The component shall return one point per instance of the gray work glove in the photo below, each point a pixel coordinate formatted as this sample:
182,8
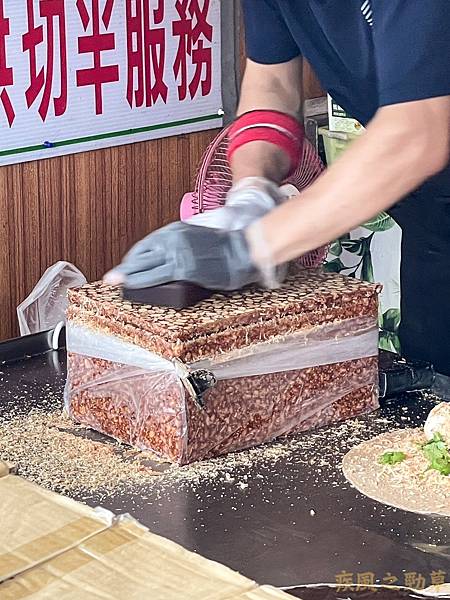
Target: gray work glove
211,258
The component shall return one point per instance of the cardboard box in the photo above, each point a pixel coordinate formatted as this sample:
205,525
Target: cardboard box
54,547
36,525
339,120
127,561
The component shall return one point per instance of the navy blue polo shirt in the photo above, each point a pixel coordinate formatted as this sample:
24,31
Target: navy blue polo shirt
366,53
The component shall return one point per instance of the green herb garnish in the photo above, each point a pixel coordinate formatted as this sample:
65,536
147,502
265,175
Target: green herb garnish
392,458
437,453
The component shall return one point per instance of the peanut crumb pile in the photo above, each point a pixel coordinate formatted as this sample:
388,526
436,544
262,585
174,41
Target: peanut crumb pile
50,450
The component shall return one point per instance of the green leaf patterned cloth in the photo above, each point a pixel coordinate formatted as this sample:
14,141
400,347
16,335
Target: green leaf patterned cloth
372,252
353,255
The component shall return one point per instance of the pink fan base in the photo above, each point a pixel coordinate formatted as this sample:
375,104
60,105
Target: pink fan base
188,207
214,180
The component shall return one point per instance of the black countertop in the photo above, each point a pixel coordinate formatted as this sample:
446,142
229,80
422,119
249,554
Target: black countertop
292,522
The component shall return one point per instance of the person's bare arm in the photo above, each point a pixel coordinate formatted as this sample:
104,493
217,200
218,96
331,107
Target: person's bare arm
404,145
275,87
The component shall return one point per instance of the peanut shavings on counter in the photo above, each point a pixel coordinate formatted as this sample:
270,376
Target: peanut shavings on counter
318,450
50,450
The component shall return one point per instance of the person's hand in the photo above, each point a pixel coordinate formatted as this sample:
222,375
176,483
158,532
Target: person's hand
249,200
211,258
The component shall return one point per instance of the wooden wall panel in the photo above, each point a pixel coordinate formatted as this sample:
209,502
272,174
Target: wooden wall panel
88,209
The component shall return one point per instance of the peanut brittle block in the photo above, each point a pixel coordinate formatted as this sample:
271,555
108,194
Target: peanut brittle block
285,360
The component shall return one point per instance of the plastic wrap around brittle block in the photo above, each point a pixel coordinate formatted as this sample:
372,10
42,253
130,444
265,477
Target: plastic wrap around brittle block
150,409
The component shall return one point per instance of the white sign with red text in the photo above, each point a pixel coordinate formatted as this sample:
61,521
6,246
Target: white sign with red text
82,74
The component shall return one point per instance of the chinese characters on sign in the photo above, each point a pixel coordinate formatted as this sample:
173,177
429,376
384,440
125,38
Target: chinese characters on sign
92,73
145,61
94,19
350,582
42,78
193,29
6,72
